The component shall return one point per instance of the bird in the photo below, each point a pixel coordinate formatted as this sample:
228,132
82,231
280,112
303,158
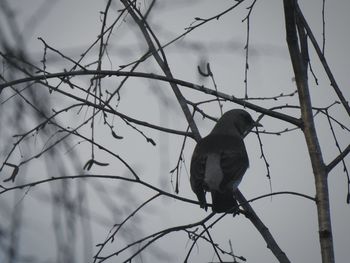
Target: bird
220,160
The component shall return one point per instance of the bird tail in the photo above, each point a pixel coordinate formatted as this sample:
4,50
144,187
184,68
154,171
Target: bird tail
223,202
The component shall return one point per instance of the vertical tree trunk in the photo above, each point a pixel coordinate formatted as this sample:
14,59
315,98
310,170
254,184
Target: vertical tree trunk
299,58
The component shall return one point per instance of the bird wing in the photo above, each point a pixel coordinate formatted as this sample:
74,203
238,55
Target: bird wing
234,163
233,157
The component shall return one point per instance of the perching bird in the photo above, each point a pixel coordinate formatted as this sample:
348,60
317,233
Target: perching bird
220,160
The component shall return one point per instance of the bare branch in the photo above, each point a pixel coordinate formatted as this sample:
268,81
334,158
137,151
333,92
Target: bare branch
264,231
323,60
105,73
338,159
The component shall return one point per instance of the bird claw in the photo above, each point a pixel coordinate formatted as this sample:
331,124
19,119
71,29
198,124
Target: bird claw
235,211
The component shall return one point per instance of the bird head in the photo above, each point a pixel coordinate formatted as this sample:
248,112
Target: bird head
235,122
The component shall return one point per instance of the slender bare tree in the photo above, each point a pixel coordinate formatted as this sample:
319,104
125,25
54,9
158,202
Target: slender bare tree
79,146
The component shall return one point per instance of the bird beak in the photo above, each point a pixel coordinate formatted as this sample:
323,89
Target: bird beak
257,124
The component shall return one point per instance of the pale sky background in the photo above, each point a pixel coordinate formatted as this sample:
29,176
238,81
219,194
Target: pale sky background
71,26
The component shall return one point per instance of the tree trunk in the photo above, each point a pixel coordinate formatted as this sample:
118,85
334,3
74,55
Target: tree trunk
299,58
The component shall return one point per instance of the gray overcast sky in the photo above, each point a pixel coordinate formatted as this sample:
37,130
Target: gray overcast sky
71,26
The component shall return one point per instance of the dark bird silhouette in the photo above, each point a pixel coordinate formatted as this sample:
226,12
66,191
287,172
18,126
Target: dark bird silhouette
220,160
